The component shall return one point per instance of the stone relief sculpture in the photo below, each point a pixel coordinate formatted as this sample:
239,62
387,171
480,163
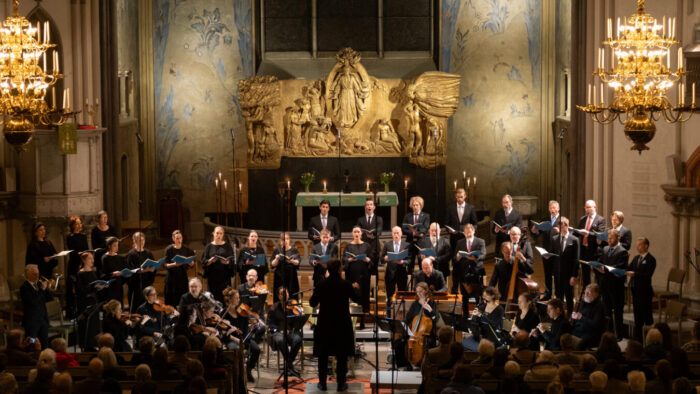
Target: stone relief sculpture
374,117
349,88
257,97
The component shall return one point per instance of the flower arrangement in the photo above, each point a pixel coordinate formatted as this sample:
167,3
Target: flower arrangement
307,179
385,178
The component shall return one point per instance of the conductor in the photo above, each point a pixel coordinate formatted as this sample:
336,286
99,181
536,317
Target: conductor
333,335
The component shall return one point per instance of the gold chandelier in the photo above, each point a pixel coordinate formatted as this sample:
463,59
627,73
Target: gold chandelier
640,75
23,83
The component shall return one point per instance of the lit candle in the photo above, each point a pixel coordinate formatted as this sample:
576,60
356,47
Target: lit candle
97,101
663,29
680,57
216,183
589,95
474,181
225,185
367,185
56,69
464,175
240,187
68,100
87,101
64,98
673,29
602,58
405,183
324,185
455,184
219,175
693,98
601,94
47,32
289,185
469,180
594,95
610,28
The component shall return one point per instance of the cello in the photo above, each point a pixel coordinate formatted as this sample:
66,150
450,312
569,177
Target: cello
519,285
421,326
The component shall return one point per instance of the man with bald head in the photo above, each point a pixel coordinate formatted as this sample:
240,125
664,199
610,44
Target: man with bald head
441,247
504,267
431,276
35,295
396,275
591,221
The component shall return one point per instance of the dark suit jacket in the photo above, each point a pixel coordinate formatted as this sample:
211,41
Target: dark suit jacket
436,280
376,224
442,250
334,332
567,262
469,216
643,271
320,269
625,238
423,218
502,272
34,306
551,338
547,235
473,270
617,258
331,224
393,266
515,219
592,321
589,252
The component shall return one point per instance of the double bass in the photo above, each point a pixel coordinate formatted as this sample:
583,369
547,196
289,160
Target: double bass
421,326
519,285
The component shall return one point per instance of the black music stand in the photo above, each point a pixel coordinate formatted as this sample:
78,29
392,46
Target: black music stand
393,326
293,323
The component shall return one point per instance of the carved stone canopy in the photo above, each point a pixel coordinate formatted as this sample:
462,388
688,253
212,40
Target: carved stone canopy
349,113
684,200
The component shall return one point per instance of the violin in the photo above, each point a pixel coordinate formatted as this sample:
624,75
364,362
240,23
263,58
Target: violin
295,307
259,288
245,311
162,307
132,317
219,323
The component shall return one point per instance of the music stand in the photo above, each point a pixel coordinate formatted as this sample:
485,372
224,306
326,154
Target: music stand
393,326
294,323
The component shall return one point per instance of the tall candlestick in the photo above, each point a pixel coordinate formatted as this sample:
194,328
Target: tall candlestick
693,98
618,27
405,183
594,95
53,97
455,184
680,58
609,28
216,197
64,98
588,102
225,202
663,29
602,93
47,32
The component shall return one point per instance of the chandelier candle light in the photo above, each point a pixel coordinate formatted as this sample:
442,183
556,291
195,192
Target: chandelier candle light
640,75
24,78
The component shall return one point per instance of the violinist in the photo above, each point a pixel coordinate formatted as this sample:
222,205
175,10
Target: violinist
119,324
188,327
154,319
526,318
217,259
286,264
422,308
276,321
252,293
145,277
40,250
76,241
242,325
176,278
251,248
87,298
358,271
504,268
490,311
112,265
99,235
323,248
194,296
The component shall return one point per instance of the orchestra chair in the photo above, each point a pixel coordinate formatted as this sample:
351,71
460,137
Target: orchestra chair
14,283
268,342
675,275
675,310
56,324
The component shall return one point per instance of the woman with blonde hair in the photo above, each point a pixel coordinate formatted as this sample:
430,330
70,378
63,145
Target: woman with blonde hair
111,367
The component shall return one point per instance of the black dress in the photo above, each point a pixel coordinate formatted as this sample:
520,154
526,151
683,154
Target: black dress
157,322
77,243
141,280
119,330
286,272
526,324
218,274
243,265
36,251
358,271
109,265
98,239
176,278
87,297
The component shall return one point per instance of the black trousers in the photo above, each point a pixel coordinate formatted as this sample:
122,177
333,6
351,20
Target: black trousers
643,314
341,368
397,280
457,275
564,290
548,272
289,348
614,300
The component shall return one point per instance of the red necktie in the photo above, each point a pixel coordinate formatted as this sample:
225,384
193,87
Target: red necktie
588,227
415,219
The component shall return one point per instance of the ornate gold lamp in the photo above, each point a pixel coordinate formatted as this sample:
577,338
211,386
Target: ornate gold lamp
640,75
23,82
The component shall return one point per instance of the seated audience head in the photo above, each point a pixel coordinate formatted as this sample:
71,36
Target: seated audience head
47,356
612,369
45,371
214,341
198,385
664,372
96,368
511,369
146,345
462,374
181,344
555,387
62,383
486,348
654,337
142,373
566,375
160,357
8,384
682,386
456,351
194,368
608,343
522,340
588,363
209,354
555,308
105,340
634,351
14,338
109,359
545,356
445,335
598,380
637,380
58,345
566,341
665,331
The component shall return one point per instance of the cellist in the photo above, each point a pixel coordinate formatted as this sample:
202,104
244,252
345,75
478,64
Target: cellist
504,268
421,309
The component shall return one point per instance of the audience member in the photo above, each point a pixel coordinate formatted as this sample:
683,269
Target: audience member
694,344
107,340
197,386
62,384
634,354
664,376
193,369
567,356
566,377
63,358
555,387
8,383
616,384
512,382
654,349
679,363
683,386
637,380
598,381
520,352
434,359
43,379
21,350
456,356
462,381
486,350
146,346
179,359
500,356
666,337
144,382
544,368
161,368
111,385
110,365
93,383
48,357
212,370
608,349
588,365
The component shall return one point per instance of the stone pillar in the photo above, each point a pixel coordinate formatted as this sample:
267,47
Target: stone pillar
686,210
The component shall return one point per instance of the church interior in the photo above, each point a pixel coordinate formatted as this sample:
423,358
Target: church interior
249,115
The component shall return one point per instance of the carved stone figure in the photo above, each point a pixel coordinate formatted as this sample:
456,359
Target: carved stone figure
257,97
387,140
296,118
415,134
321,138
314,94
267,147
349,88
434,137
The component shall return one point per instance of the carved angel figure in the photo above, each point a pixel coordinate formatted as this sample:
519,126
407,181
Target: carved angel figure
348,94
388,139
